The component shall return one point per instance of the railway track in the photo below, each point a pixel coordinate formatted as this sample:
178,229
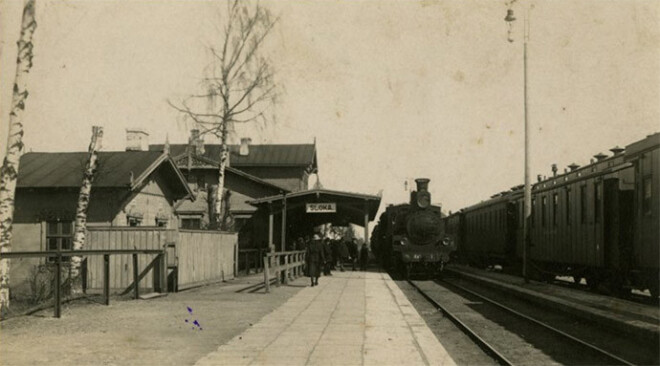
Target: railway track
489,323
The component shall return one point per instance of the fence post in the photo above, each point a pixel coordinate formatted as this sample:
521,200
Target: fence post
106,279
58,285
266,272
278,270
135,276
163,272
285,273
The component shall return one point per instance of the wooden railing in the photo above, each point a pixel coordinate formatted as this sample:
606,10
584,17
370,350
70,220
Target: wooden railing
159,264
250,259
283,266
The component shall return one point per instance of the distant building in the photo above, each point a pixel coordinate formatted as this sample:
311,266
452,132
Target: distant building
254,171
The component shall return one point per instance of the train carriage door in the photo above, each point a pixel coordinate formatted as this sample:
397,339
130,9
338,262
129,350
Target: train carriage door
617,224
511,225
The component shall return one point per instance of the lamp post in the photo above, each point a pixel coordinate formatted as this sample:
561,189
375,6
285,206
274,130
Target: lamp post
527,195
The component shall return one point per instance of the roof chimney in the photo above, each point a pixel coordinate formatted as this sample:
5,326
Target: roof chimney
554,170
573,166
245,146
196,141
617,150
137,139
600,156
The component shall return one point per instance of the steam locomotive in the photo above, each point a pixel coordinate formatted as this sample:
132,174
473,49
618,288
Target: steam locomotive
410,237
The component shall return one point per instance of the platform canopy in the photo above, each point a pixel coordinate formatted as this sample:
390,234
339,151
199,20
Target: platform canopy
306,209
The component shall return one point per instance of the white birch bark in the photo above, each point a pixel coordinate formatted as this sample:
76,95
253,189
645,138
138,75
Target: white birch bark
224,152
83,204
9,170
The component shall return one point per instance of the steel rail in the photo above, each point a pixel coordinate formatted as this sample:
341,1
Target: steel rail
540,323
485,346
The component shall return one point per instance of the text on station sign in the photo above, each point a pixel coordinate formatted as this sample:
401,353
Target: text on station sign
321,207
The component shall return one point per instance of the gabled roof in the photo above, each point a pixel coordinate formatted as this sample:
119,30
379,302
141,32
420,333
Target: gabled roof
115,169
271,155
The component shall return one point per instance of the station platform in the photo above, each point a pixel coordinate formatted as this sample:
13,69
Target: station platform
350,318
636,319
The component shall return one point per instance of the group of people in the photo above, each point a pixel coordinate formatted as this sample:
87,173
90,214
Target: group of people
328,255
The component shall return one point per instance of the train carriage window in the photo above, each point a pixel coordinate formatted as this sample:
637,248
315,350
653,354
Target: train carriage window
567,202
583,204
647,194
555,208
543,209
597,201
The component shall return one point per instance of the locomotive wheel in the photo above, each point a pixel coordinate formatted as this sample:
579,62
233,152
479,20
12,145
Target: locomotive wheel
653,288
406,271
593,283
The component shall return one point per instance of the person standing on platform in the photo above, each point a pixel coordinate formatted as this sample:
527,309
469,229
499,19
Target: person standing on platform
314,257
343,254
334,247
327,252
364,257
353,253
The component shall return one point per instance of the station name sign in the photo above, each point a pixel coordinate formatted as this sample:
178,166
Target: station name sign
321,207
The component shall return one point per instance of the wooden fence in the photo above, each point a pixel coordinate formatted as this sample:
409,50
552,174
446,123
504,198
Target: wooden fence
195,257
116,238
205,257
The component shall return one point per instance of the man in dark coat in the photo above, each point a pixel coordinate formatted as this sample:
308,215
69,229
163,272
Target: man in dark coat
353,252
327,252
364,257
314,258
343,254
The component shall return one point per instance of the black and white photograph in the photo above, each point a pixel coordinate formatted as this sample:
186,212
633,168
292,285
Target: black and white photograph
330,182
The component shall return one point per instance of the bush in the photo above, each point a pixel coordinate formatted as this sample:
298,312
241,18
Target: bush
42,282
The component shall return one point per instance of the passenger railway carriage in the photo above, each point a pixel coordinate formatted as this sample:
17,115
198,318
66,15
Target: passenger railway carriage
599,222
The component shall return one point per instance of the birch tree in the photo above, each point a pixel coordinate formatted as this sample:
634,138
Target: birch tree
83,204
9,170
241,86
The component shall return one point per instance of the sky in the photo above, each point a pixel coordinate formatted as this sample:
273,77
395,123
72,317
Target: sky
389,90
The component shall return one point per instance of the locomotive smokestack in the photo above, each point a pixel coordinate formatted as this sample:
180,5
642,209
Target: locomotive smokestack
422,184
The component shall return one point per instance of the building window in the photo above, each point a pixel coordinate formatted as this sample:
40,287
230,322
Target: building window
597,201
133,221
568,206
161,222
59,235
191,223
555,208
647,194
583,204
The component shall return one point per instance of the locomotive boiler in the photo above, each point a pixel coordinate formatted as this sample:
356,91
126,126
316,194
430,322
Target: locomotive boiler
410,237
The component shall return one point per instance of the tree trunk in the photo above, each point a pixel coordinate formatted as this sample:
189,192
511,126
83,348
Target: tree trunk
9,170
224,154
83,204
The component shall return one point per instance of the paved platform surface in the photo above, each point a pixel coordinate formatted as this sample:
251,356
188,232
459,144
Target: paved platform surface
350,318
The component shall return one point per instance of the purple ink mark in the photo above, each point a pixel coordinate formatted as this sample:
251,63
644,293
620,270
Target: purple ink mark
195,322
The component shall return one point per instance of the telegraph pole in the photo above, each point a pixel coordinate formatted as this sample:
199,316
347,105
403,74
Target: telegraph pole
527,193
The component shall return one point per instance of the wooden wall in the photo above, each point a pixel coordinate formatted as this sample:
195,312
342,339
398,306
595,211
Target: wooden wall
205,257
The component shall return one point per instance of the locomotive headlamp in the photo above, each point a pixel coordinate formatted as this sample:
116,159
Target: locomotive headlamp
446,241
